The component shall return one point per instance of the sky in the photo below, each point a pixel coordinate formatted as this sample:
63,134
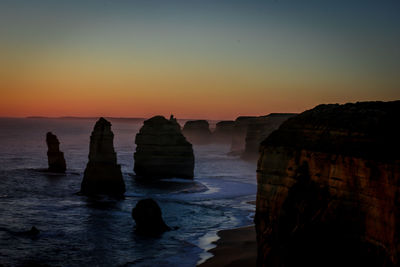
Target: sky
194,58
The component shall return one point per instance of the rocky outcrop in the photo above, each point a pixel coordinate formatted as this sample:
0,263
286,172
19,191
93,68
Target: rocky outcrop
102,174
55,157
223,132
239,134
259,129
329,188
162,151
197,132
148,217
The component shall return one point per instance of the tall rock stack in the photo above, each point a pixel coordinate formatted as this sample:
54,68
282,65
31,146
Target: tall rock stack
162,151
197,132
239,134
102,174
329,188
55,157
259,129
223,132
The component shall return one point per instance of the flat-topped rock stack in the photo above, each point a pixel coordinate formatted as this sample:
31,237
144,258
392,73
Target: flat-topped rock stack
329,186
55,157
223,132
162,151
259,129
102,174
197,132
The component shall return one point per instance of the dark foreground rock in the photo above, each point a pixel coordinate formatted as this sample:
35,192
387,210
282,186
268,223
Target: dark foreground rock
329,187
223,132
259,129
162,151
102,174
55,157
148,217
197,132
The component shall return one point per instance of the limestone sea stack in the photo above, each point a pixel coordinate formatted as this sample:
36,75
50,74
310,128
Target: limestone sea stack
102,174
223,132
162,151
329,188
148,217
259,129
55,157
197,132
239,134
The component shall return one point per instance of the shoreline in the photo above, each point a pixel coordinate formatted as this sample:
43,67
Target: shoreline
235,247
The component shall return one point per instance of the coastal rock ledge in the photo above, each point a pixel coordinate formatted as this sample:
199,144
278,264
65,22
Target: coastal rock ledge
329,188
102,174
55,157
162,151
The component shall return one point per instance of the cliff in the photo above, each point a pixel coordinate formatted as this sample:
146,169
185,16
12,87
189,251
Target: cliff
223,132
197,132
55,157
259,129
102,174
329,187
162,151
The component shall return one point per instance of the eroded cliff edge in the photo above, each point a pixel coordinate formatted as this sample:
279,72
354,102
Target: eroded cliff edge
329,188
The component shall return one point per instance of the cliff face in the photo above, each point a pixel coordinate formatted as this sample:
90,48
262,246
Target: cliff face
102,174
197,132
329,188
55,157
223,132
259,129
162,151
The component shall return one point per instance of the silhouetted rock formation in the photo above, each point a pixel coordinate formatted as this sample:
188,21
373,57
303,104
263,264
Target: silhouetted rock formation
259,129
162,151
55,157
197,132
329,187
148,217
102,174
239,134
223,132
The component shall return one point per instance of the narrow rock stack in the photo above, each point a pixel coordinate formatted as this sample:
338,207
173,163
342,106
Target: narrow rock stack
329,186
259,129
223,132
197,132
239,134
162,151
102,174
55,157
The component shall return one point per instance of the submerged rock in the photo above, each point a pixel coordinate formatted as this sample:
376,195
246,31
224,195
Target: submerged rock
197,132
259,129
223,132
162,151
329,187
55,157
102,174
148,217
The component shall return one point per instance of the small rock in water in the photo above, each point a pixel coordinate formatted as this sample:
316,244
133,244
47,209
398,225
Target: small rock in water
148,217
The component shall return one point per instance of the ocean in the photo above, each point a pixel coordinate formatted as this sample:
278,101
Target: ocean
80,231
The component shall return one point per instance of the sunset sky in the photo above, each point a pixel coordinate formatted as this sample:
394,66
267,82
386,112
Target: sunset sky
195,59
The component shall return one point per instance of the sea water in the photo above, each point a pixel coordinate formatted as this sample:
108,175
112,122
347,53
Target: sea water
80,231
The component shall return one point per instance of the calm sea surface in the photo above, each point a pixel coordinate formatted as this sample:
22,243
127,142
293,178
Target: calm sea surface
79,231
